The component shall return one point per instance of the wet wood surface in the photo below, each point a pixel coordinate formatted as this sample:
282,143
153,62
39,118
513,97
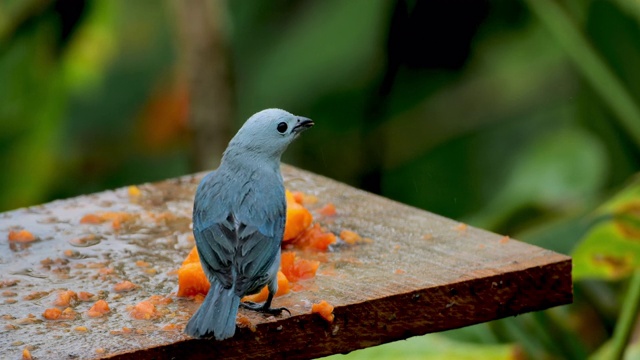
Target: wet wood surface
419,273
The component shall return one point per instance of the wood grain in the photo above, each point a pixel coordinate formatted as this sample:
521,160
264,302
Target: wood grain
420,273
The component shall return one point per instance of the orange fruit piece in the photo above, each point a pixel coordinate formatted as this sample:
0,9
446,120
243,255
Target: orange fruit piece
116,217
323,309
315,238
298,218
98,309
92,219
144,310
68,314
327,210
350,237
124,286
65,297
52,314
22,236
297,196
283,288
192,279
297,269
192,257
85,296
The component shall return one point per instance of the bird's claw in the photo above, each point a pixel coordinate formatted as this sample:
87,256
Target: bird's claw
278,311
263,308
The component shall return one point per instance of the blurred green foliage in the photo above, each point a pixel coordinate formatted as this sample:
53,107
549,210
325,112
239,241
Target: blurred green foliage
517,116
611,247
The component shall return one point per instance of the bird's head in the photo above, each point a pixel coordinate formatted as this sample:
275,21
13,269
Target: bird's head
268,133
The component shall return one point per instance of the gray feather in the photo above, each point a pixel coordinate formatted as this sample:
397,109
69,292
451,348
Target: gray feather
221,306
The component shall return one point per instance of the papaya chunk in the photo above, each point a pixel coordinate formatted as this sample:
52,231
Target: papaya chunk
323,309
298,218
283,288
315,238
297,269
21,236
192,280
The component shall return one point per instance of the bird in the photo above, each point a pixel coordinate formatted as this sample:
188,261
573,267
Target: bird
239,215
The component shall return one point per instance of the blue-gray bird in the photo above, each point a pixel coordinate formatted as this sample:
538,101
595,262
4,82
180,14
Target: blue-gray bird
239,214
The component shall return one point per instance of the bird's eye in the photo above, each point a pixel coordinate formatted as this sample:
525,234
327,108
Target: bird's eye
282,127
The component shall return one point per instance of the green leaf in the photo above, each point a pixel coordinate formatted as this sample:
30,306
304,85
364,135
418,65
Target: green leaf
611,248
606,252
625,200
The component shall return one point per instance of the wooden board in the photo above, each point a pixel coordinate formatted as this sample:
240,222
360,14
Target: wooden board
420,273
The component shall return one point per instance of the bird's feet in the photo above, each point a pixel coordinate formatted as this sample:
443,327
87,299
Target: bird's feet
264,308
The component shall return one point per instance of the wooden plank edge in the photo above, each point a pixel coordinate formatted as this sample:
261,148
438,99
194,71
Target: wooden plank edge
397,317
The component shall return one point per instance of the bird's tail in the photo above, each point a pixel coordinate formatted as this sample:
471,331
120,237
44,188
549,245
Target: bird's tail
217,314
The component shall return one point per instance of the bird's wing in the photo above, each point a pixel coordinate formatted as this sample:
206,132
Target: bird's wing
258,249
261,218
239,246
214,230
216,247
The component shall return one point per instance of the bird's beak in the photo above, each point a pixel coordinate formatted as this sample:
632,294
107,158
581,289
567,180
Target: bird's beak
302,124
